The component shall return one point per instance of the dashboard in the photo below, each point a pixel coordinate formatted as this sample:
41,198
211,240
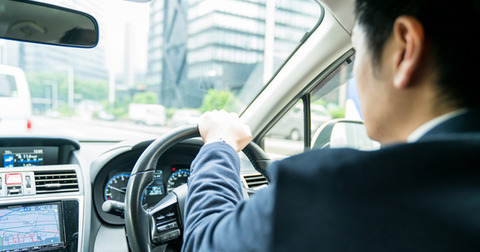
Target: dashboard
40,196
57,189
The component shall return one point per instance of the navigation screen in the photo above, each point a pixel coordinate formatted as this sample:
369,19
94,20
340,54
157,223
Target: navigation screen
30,227
33,158
28,156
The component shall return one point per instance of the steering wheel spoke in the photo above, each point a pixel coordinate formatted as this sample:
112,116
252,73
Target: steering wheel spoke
166,218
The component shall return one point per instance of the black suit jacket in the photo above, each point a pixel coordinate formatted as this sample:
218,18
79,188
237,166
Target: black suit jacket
422,196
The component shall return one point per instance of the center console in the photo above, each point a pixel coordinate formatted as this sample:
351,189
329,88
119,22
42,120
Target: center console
41,197
39,227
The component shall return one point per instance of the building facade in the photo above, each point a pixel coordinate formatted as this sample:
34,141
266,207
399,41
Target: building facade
197,45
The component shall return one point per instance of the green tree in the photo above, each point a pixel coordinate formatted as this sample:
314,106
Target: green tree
145,98
96,90
40,84
120,107
337,112
215,99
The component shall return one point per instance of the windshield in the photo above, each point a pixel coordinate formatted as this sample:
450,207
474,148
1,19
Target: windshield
158,65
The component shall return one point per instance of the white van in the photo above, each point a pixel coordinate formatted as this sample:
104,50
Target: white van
15,101
149,114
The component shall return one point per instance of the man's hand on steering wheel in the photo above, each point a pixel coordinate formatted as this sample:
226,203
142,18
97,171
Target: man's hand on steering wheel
223,126
151,229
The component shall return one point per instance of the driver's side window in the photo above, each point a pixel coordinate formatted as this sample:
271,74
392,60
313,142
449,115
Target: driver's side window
287,136
333,115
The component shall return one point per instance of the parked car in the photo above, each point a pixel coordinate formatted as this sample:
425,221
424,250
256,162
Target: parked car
149,114
185,117
291,125
104,115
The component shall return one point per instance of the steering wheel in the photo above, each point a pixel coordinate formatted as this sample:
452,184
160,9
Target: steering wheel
152,229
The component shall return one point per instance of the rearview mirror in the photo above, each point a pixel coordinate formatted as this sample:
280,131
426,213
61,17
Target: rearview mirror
47,24
343,133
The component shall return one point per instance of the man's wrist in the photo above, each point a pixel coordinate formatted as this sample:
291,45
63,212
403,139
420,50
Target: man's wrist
216,140
219,140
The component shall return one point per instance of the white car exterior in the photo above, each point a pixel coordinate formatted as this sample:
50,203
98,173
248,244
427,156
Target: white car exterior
15,101
149,114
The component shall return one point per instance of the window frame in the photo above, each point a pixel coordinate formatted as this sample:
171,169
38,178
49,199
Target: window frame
305,96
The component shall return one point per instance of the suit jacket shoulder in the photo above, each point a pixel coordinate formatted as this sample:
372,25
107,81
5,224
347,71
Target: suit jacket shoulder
406,197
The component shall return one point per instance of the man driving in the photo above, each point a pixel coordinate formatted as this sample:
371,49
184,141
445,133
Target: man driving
416,71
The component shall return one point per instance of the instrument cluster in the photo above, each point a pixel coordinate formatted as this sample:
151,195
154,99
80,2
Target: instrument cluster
110,183
164,182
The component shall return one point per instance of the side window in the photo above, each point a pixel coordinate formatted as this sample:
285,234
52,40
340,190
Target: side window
337,95
8,88
333,114
286,138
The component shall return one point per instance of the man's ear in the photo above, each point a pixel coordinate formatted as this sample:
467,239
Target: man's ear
409,39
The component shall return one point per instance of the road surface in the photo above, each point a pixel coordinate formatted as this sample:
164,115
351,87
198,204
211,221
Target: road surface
95,130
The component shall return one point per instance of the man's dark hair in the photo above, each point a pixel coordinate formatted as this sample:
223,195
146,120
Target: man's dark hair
450,27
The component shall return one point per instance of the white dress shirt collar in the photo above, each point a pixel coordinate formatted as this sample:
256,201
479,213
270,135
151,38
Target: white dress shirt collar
422,130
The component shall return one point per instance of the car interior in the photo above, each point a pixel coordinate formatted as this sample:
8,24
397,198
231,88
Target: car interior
128,195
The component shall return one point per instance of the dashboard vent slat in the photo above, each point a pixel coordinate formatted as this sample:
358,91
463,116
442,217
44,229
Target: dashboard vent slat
56,181
255,180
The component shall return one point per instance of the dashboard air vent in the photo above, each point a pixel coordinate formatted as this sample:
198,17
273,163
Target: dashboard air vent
56,181
255,180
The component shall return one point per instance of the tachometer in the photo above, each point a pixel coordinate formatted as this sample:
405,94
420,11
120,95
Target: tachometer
177,179
116,187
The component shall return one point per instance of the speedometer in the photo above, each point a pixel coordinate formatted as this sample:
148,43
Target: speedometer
177,179
116,187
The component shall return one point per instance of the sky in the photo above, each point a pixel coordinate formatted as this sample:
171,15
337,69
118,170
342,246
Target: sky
118,14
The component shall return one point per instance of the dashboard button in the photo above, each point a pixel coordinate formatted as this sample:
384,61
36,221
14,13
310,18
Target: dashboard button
28,181
13,178
167,226
170,235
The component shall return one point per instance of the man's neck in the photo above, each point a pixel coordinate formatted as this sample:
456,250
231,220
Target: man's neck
426,127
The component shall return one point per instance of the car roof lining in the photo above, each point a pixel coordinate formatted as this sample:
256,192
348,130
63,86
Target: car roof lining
343,11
